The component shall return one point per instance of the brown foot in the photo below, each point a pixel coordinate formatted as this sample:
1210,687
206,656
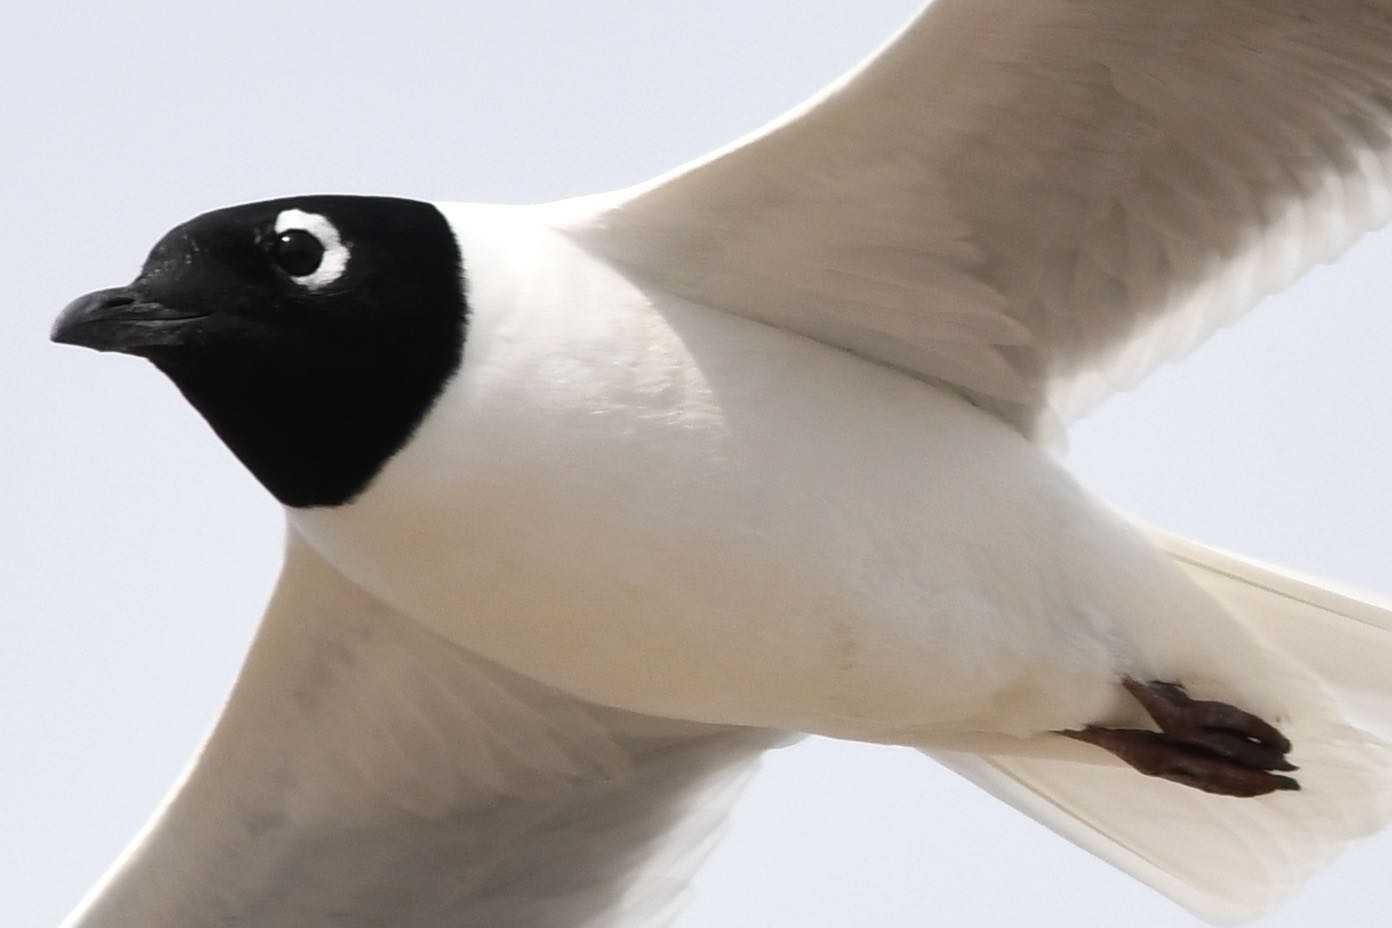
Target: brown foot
1207,745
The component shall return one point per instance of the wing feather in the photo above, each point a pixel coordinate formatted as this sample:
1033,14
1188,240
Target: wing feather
1036,204
365,771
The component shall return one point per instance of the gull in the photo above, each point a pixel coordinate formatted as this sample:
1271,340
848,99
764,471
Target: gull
590,503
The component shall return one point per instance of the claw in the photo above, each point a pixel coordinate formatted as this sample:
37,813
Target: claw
1176,712
1210,746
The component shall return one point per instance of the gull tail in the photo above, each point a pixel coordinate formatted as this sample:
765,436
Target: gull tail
1225,859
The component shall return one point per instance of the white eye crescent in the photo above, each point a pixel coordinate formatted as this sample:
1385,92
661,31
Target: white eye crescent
309,249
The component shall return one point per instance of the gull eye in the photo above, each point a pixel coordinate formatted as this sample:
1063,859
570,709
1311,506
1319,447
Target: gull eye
297,252
309,248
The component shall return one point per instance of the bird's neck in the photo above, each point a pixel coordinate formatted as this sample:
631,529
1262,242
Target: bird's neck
368,771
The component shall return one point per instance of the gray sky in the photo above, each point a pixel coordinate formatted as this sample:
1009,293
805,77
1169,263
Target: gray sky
136,553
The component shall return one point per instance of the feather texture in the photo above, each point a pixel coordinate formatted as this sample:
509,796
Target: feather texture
1036,204
365,767
1228,860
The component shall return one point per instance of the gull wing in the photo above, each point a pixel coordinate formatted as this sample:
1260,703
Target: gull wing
367,772
1035,204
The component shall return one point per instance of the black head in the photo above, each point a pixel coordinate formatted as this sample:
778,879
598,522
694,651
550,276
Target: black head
313,333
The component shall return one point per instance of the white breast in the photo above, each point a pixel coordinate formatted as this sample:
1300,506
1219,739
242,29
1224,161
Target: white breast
665,508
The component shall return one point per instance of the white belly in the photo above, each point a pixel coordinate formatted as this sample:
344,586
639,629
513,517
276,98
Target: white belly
675,511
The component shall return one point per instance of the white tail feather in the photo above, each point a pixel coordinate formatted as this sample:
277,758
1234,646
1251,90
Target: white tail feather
1228,860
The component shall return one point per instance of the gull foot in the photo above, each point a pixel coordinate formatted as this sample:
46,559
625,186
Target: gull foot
1210,746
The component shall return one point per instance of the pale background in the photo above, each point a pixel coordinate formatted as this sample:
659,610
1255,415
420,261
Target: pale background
136,553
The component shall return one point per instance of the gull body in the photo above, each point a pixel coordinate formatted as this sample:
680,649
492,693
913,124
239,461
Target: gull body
651,505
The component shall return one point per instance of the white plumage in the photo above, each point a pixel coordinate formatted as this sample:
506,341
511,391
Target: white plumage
752,445
365,772
1037,203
